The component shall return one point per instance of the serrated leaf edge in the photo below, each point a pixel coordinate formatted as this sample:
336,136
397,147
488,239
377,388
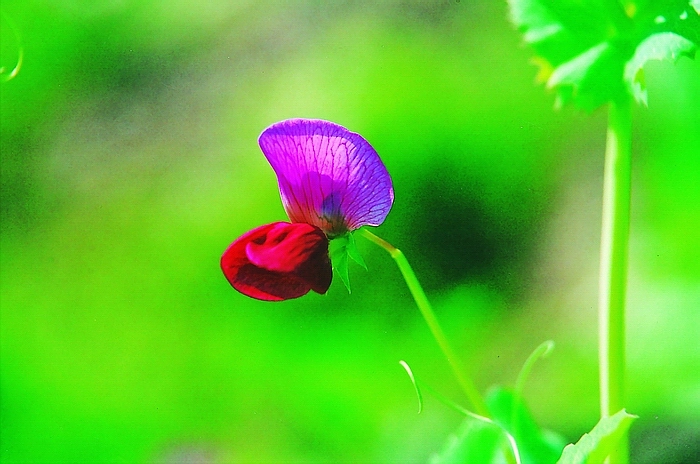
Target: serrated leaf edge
634,66
578,453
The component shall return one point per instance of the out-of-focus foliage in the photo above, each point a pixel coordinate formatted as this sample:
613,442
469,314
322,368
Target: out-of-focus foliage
129,163
535,445
592,52
475,441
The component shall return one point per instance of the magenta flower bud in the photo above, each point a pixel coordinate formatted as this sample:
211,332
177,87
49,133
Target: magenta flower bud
331,182
279,261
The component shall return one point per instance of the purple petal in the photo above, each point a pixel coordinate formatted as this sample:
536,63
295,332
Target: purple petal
328,176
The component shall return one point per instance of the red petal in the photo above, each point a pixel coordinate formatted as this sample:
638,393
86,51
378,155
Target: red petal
279,261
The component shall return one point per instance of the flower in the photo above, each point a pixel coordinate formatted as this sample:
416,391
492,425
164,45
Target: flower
332,182
279,261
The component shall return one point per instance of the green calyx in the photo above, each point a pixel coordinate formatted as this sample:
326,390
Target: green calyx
341,249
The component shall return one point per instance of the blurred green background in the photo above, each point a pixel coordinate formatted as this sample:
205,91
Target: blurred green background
130,162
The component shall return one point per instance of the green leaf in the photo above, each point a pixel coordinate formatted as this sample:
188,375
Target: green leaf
595,446
662,46
590,79
559,29
591,51
474,441
678,16
537,446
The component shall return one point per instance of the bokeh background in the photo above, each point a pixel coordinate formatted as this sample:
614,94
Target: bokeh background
130,162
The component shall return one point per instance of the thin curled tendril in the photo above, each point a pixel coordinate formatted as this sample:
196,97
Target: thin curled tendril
542,351
6,75
405,365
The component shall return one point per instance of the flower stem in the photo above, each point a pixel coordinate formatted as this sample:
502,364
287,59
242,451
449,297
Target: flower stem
613,266
416,289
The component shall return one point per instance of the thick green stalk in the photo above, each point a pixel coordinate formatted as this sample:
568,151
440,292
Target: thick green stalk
613,266
426,310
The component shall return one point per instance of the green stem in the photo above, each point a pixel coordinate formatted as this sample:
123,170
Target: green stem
613,265
414,286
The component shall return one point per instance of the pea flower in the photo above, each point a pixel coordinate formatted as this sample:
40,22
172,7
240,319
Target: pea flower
332,182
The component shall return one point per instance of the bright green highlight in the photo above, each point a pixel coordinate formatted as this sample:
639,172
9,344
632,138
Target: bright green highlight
426,310
603,440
